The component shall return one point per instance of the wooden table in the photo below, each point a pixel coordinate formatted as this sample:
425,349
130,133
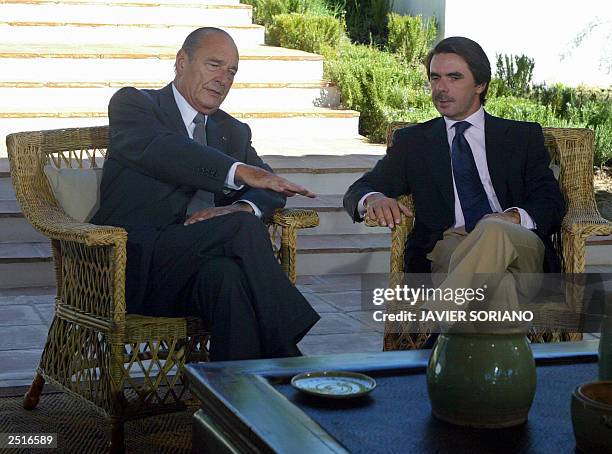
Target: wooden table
248,406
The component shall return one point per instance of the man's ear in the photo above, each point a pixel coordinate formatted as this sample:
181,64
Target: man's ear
180,61
481,87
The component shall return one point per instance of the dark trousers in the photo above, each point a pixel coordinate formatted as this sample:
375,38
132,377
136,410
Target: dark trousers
224,271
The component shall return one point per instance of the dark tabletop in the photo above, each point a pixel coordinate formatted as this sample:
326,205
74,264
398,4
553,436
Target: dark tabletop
253,404
396,417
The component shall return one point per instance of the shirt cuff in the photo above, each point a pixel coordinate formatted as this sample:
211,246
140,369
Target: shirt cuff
256,211
229,180
526,220
361,209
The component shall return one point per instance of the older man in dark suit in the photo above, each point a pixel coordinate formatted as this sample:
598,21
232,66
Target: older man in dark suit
485,198
182,178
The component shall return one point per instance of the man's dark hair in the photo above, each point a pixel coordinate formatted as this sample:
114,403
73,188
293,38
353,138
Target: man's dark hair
472,53
192,42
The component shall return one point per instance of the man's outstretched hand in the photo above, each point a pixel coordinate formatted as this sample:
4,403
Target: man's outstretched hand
256,177
385,210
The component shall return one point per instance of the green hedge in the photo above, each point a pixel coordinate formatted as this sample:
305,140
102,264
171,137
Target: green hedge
595,115
379,86
305,32
411,37
265,10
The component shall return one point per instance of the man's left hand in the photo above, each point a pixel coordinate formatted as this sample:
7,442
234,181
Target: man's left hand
212,212
509,216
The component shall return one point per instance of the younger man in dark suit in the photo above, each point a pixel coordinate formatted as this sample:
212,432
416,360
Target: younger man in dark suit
485,198
182,178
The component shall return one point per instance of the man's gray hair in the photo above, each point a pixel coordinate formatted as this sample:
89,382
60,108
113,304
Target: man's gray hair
192,42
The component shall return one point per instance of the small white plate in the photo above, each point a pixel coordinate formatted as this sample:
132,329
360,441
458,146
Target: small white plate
334,384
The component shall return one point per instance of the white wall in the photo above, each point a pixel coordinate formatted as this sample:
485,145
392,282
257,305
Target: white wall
541,29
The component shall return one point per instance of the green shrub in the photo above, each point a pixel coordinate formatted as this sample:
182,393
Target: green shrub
585,107
305,32
265,10
514,73
562,98
379,86
366,20
516,108
594,115
411,37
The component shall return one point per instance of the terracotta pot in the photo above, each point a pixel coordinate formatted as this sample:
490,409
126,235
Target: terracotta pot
592,417
481,380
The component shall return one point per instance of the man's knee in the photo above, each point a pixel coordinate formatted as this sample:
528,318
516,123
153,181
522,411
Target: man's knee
494,227
250,225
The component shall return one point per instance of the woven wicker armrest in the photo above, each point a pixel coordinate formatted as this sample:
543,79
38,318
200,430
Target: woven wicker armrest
54,223
89,265
296,218
577,226
399,233
288,221
586,223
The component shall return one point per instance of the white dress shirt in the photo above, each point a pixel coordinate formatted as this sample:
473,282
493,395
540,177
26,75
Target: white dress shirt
475,136
188,113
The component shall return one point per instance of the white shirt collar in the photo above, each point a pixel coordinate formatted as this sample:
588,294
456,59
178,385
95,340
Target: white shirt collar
477,120
188,113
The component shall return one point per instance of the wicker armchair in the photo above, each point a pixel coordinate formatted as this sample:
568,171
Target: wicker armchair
125,366
572,150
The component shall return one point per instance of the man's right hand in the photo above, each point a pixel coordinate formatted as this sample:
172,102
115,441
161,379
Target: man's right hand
256,177
385,209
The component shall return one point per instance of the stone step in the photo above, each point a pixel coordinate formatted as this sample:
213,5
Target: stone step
18,98
14,227
314,123
122,2
325,174
333,218
369,253
599,250
158,34
29,264
167,34
26,265
117,63
188,12
343,254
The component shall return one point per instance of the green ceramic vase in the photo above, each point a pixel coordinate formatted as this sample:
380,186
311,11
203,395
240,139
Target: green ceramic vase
481,380
605,344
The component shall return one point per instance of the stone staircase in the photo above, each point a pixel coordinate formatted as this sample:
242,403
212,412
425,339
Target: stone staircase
47,81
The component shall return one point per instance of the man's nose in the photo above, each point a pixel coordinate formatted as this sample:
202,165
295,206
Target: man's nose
224,76
441,85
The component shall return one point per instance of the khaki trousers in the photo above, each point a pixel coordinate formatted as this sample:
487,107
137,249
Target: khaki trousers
505,257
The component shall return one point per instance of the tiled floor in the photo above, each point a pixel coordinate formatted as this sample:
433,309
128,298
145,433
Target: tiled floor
344,326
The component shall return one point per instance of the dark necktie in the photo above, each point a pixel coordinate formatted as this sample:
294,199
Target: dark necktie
201,199
472,196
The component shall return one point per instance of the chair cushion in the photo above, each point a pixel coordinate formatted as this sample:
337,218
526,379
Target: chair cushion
77,190
556,170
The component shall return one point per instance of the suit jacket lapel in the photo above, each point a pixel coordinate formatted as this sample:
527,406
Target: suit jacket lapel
438,154
216,135
169,107
498,152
